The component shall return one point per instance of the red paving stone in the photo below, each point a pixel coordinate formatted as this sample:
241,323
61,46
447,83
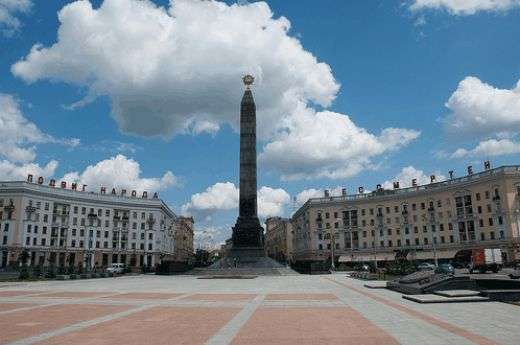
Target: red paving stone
23,324
73,294
13,306
13,293
288,326
157,326
222,297
144,295
301,297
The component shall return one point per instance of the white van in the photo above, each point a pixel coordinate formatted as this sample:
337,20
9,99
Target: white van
116,268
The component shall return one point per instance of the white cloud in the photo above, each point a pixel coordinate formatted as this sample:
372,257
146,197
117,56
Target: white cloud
465,7
328,145
407,174
489,148
219,197
272,201
18,136
210,237
18,172
306,194
224,196
120,172
9,10
178,69
480,109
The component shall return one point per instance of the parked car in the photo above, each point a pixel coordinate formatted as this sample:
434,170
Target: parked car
445,269
116,268
426,266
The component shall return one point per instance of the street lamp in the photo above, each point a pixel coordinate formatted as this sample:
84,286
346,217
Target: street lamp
91,217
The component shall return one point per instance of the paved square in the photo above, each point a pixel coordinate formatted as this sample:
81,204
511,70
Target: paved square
27,323
158,326
328,309
292,326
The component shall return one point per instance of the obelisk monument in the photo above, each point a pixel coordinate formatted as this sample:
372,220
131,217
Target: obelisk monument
247,233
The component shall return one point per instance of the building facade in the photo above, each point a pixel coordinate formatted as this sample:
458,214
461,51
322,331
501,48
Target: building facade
279,239
427,222
70,227
183,248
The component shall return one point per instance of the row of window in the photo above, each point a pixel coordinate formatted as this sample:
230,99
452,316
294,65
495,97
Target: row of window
81,244
390,243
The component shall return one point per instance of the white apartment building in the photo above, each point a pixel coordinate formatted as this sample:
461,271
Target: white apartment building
422,222
64,226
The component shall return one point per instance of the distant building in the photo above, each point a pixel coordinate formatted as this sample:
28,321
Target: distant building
421,222
64,226
183,247
279,239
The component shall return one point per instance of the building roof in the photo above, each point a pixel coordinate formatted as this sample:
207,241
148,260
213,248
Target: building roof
83,196
386,194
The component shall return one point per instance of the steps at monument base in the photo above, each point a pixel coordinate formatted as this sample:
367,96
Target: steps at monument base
257,265
457,293
431,298
243,272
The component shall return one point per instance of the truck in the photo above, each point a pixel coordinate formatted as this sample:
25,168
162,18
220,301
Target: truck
485,259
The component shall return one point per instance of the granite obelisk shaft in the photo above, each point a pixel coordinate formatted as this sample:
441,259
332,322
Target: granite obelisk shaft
247,231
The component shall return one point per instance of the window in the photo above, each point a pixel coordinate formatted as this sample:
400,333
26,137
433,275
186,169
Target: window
489,208
29,228
150,236
107,213
423,206
482,236
143,215
83,210
490,221
500,220
73,243
150,246
371,211
81,232
451,238
492,235
327,215
143,225
387,209
439,203
481,223
75,209
416,241
450,226
73,232
82,221
44,230
487,194
28,241
477,196
396,209
479,209
45,218
43,241
425,240
46,207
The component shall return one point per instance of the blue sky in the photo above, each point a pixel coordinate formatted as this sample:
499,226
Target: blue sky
427,85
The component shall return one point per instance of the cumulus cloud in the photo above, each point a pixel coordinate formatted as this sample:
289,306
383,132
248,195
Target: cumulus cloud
178,69
224,196
465,7
219,197
272,201
489,148
328,145
18,172
18,136
9,11
480,109
120,172
407,174
306,194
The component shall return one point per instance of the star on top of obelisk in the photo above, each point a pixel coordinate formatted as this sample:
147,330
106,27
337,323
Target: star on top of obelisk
248,81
